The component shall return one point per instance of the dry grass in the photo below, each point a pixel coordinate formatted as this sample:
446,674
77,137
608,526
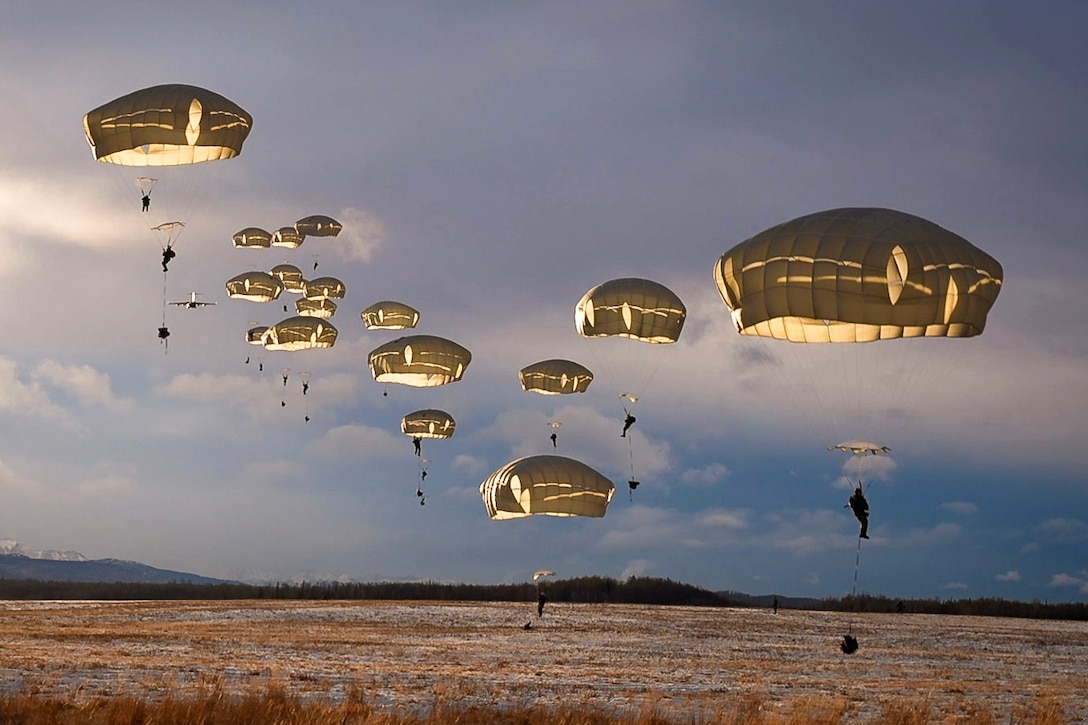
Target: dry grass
273,704
461,662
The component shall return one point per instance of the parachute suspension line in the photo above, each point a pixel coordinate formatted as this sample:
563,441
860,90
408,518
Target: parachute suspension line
854,592
422,462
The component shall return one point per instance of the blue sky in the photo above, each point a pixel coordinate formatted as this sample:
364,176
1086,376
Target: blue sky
491,163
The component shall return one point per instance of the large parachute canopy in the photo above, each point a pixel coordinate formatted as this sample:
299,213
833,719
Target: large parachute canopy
858,275
290,276
318,225
420,361
254,286
252,238
555,377
168,125
428,423
638,309
299,333
546,485
323,287
542,573
389,315
318,307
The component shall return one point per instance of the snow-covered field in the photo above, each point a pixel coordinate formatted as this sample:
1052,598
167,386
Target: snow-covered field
622,656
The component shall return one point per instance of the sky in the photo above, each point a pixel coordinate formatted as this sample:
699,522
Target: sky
490,163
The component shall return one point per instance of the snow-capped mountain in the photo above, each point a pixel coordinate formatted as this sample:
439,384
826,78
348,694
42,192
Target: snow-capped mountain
11,547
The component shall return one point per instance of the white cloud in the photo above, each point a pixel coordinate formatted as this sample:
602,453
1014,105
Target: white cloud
722,518
357,440
960,507
1065,529
808,532
866,468
19,397
88,385
959,586
363,234
706,476
636,567
469,464
1009,576
1029,547
1066,580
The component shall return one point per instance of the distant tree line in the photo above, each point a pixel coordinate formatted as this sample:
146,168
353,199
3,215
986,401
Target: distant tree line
590,590
979,607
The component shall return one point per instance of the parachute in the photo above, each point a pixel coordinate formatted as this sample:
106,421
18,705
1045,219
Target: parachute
287,237
255,335
859,448
555,377
542,573
389,315
318,225
290,276
323,287
168,125
858,275
546,485
637,309
319,307
254,287
428,423
420,361
299,333
252,238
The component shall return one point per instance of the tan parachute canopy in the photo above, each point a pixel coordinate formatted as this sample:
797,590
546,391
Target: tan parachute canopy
167,125
428,423
548,485
858,275
255,335
299,333
323,287
860,448
318,225
252,238
318,307
254,287
287,237
389,315
290,276
420,361
638,309
555,377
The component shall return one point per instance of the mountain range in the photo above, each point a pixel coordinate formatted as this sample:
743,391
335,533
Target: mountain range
72,566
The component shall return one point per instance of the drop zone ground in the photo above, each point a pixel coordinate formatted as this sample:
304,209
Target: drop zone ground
684,660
